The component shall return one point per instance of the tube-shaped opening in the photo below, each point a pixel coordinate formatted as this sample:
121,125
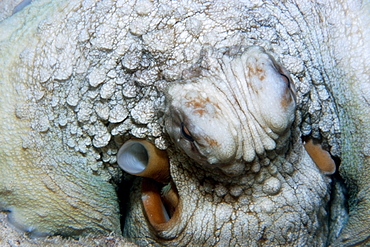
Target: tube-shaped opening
160,204
321,157
160,199
141,158
133,157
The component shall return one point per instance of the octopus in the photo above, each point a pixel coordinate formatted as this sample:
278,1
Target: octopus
185,123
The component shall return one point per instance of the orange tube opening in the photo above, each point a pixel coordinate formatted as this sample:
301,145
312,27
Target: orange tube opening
161,209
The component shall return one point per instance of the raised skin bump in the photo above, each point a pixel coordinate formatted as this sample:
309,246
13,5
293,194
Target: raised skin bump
317,60
235,110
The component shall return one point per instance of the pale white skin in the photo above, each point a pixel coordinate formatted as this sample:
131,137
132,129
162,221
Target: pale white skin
66,65
210,117
234,111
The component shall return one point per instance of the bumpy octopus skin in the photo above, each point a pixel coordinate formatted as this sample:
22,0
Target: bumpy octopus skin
236,110
233,116
80,78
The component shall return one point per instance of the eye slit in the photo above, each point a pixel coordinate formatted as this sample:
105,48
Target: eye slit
286,79
186,133
290,86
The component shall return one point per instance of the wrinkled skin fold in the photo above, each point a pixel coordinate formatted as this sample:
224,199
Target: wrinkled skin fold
79,79
249,183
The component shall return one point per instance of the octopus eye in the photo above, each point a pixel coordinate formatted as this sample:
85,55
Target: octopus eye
286,79
289,84
186,133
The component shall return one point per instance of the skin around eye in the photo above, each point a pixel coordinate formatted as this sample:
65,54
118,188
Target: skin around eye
235,110
286,79
186,133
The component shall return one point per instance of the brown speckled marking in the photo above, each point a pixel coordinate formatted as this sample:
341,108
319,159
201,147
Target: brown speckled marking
261,74
256,71
287,99
199,104
211,142
200,112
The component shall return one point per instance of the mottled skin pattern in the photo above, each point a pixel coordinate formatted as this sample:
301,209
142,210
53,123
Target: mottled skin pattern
237,107
80,78
252,166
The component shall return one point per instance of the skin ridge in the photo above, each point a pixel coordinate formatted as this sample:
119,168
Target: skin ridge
86,88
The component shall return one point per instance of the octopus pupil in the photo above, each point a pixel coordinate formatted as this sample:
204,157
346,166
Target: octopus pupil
185,132
286,79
